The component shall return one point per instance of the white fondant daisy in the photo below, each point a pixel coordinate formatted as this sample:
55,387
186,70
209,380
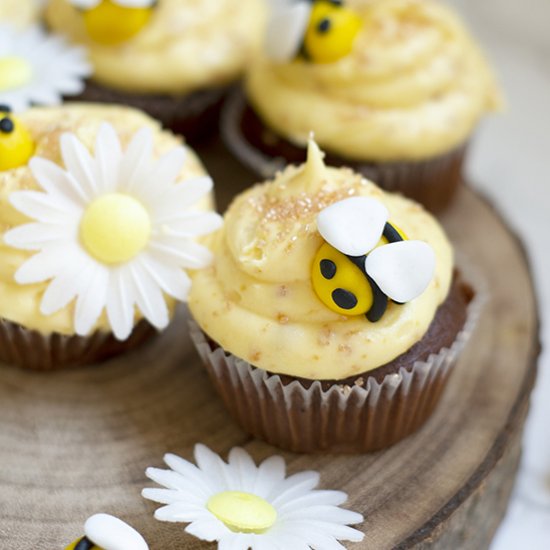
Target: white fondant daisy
114,232
38,68
243,506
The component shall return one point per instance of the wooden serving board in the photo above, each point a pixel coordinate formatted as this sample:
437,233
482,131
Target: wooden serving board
74,443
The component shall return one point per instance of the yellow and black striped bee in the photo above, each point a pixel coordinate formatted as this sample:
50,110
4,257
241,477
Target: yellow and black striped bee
105,532
320,31
366,260
16,144
112,22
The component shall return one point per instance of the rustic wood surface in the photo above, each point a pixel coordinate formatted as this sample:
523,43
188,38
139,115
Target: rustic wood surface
77,442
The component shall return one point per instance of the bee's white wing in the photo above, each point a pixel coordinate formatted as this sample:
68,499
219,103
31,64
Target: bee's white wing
85,4
111,533
402,270
286,28
135,3
353,226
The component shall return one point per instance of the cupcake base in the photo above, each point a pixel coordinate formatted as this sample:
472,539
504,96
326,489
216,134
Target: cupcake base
367,413
194,116
31,349
432,182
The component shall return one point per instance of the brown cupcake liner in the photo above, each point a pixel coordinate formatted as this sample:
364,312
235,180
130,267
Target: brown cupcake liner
358,418
194,115
432,182
31,349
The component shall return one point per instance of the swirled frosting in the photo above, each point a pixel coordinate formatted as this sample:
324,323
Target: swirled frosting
257,300
187,45
19,12
414,86
20,303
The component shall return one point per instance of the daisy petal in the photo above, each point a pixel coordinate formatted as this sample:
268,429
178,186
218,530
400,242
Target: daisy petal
91,300
190,472
41,207
184,252
212,465
108,155
294,486
120,303
163,496
270,474
195,224
39,268
168,167
181,512
208,529
314,498
35,236
79,164
134,166
149,298
173,281
324,513
55,181
243,469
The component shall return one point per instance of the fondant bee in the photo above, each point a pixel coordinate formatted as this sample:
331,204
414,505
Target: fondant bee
105,532
366,260
111,22
16,144
321,31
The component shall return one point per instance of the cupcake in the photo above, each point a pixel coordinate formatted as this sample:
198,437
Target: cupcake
332,314
173,59
99,214
391,88
19,12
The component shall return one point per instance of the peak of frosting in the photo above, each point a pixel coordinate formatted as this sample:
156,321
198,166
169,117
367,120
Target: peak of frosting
311,176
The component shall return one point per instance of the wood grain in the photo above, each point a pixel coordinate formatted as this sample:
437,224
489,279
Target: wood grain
75,443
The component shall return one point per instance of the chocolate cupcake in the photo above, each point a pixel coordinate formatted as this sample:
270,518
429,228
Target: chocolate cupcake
173,59
391,88
99,210
333,313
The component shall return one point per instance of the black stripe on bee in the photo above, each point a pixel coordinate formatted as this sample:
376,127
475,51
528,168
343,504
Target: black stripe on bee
391,233
379,299
84,544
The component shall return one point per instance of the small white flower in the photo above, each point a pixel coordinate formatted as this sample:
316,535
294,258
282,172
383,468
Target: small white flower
38,68
243,506
115,231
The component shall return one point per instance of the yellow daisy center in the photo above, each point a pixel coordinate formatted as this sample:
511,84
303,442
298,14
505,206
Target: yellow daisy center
115,228
242,512
14,72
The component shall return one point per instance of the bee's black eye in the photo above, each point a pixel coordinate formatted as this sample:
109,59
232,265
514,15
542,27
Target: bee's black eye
328,269
324,25
344,298
6,125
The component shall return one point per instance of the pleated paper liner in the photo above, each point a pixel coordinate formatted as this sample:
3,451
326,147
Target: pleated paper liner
31,349
195,115
432,182
343,418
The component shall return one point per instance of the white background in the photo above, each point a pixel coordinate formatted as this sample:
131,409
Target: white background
510,163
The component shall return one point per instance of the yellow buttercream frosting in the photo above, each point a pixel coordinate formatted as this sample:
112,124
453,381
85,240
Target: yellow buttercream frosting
414,86
19,12
186,45
257,300
20,303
